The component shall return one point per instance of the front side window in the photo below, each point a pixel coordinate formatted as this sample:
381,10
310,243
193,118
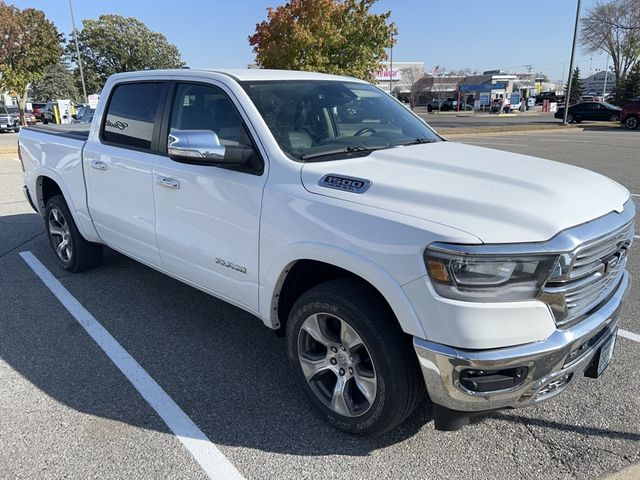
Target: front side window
131,114
205,107
323,120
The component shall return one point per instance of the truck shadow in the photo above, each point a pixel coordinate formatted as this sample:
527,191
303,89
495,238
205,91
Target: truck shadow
226,370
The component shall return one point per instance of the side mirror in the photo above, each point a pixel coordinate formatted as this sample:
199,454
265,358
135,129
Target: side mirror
203,147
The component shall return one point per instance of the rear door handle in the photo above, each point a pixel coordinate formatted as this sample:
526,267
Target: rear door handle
167,182
98,164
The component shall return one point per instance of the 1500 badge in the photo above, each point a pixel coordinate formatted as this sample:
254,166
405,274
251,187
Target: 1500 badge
346,184
230,265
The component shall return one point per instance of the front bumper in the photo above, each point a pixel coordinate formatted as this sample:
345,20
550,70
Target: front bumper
549,372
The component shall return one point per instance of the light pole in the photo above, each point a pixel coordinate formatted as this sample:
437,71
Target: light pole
391,67
606,72
75,40
573,52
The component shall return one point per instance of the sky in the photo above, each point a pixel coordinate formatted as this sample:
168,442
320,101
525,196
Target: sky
488,35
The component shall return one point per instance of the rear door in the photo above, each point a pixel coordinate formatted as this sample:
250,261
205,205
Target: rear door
119,169
208,217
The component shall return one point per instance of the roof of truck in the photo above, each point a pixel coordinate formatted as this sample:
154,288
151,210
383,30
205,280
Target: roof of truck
248,74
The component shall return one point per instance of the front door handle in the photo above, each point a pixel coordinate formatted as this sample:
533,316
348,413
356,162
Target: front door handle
167,182
98,164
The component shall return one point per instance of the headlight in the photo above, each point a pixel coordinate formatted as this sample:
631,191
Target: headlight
488,277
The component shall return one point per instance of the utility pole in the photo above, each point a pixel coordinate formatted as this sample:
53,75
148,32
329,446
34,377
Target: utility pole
75,38
606,72
573,52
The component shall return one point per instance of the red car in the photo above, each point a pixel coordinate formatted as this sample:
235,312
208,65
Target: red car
37,109
630,116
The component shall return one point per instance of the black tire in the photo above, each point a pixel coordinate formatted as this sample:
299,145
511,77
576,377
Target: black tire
614,117
400,385
570,118
16,130
78,254
631,123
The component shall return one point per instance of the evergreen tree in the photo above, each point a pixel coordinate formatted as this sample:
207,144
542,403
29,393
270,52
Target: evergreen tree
577,88
630,85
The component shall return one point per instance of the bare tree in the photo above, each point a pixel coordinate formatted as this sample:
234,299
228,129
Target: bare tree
614,28
441,89
412,77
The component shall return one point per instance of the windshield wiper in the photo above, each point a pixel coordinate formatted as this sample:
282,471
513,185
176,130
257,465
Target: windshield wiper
336,151
415,141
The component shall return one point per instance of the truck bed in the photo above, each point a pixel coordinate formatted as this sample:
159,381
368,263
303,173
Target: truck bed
77,131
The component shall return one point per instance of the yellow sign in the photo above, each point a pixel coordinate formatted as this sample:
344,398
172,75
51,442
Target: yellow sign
538,87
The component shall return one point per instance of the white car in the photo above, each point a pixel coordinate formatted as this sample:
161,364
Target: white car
396,263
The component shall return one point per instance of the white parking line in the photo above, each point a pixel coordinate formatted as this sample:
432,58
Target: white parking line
629,335
635,194
210,458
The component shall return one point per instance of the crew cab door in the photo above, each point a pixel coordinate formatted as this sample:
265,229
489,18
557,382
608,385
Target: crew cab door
207,216
118,169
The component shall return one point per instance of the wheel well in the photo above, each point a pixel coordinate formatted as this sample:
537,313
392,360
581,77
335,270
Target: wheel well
302,276
47,188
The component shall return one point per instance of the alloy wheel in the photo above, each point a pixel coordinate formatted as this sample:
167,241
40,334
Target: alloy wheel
337,365
60,234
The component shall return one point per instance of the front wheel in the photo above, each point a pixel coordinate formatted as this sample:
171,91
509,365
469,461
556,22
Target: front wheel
73,252
570,118
614,118
631,123
351,359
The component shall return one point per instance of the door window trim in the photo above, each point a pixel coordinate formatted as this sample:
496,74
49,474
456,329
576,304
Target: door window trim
155,136
168,112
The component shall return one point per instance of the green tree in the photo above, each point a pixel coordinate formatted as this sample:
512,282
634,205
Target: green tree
113,44
630,86
577,88
57,82
29,43
330,36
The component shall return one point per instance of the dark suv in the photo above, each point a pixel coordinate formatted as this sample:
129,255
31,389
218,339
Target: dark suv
630,115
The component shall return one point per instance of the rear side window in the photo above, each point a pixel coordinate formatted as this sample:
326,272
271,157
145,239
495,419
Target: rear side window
131,114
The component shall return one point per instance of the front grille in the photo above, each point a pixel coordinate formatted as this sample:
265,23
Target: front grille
594,274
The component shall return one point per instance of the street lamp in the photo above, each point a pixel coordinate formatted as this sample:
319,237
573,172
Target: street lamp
75,38
573,51
391,65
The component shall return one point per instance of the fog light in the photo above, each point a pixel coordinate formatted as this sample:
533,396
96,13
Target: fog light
492,380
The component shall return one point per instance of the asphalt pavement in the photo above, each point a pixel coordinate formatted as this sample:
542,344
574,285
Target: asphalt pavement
451,120
68,411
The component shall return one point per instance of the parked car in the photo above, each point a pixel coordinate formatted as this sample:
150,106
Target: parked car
448,104
393,262
630,114
8,121
589,98
542,96
37,110
597,111
29,117
47,114
84,114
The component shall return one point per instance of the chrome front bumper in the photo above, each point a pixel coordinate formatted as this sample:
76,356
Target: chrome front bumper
548,374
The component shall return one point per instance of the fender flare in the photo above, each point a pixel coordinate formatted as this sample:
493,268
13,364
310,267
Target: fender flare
361,266
85,226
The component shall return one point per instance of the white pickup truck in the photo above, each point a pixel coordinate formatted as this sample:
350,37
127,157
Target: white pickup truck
395,263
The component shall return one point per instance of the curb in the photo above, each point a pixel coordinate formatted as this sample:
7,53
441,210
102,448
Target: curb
488,131
629,473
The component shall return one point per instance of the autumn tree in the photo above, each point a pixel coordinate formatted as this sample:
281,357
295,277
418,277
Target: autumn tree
57,82
113,44
28,44
614,28
331,36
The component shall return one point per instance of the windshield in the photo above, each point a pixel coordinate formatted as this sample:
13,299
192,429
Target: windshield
320,119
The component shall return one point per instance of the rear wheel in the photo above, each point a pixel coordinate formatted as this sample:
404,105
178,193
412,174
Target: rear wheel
631,123
73,252
351,359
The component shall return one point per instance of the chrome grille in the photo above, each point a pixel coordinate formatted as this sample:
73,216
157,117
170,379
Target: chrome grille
594,274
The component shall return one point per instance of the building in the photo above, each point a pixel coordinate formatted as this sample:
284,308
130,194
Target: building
599,83
400,79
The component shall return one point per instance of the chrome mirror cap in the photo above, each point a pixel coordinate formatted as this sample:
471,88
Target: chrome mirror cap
195,144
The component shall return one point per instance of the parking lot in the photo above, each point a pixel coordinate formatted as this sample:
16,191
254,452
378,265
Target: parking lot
68,410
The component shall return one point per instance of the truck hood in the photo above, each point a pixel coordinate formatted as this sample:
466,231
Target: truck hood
497,196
